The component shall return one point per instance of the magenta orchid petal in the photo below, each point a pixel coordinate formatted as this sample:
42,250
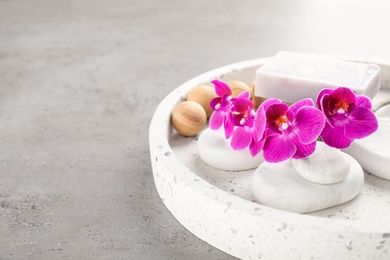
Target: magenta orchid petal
323,92
334,137
241,138
221,88
226,101
229,125
269,102
348,117
275,111
243,120
244,95
278,148
241,105
216,120
309,122
255,147
303,150
290,115
222,107
327,108
290,132
304,102
237,119
274,129
362,122
343,94
259,124
215,103
363,101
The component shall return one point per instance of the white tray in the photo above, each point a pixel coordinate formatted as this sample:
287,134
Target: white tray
218,206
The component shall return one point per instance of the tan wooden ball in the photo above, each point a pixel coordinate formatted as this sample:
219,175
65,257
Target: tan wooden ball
189,118
238,87
202,95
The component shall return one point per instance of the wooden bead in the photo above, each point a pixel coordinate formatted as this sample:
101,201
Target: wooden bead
202,95
238,87
189,118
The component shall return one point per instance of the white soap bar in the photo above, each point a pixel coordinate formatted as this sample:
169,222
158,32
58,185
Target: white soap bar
215,150
278,185
373,152
292,77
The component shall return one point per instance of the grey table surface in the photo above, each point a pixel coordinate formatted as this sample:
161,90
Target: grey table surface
79,82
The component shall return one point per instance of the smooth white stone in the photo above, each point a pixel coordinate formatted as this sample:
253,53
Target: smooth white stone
280,186
383,111
381,99
292,77
215,150
373,152
325,166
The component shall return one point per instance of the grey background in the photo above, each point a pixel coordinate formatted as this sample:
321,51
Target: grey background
79,82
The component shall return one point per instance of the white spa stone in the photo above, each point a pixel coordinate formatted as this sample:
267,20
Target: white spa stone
373,152
215,150
279,186
325,166
381,100
292,77
383,111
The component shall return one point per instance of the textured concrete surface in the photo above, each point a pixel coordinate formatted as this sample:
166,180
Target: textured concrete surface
79,82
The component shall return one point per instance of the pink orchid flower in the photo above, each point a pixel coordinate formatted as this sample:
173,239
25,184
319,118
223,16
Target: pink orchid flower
348,117
221,105
291,132
249,127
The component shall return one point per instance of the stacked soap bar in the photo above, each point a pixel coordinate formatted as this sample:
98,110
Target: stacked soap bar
292,77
